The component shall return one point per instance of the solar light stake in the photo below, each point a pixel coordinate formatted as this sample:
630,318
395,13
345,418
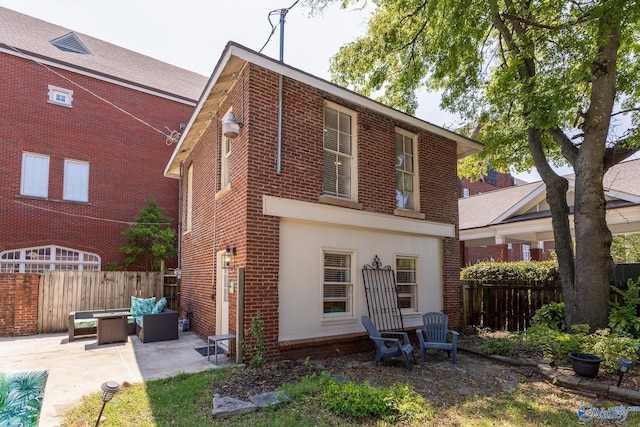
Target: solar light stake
109,389
625,365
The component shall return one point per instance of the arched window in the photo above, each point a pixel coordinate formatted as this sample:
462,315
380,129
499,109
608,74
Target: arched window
42,258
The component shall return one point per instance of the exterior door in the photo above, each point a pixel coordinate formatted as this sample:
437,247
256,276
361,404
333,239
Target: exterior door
222,299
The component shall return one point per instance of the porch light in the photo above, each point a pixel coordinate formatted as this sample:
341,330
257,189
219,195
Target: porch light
230,127
228,258
109,389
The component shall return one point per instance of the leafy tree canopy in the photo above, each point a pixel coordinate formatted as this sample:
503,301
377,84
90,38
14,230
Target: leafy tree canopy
458,47
151,240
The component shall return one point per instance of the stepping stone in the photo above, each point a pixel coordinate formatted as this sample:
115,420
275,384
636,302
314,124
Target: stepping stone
268,399
227,406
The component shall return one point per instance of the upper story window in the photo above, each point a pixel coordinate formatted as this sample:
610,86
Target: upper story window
60,96
43,258
338,284
407,283
225,162
35,175
406,171
76,181
339,152
189,198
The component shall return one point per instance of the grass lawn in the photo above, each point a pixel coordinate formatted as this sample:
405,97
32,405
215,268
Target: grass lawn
186,400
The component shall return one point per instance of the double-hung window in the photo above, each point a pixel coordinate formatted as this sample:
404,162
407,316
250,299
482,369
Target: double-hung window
406,171
338,284
338,154
35,175
76,181
407,283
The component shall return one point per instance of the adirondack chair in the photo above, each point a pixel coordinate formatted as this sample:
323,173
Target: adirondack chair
435,333
387,345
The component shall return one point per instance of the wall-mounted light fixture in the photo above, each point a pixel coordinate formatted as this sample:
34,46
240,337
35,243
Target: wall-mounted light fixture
231,127
229,258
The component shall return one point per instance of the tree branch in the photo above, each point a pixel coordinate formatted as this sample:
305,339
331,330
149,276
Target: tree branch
568,149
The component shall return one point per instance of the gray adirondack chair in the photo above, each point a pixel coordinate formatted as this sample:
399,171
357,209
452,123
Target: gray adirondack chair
388,344
435,335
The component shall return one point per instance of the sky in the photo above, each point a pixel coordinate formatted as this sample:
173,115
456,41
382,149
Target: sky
192,34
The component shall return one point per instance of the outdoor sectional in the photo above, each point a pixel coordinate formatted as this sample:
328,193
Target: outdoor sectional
150,321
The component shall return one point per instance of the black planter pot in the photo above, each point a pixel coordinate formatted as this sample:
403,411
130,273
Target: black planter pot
585,365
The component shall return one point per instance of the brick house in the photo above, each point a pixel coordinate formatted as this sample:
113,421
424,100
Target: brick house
81,143
514,224
280,220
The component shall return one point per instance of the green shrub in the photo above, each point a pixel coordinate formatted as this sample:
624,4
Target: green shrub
521,271
610,346
398,404
554,344
501,346
624,315
551,315
257,351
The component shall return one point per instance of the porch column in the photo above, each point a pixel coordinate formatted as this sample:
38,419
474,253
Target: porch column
536,254
501,253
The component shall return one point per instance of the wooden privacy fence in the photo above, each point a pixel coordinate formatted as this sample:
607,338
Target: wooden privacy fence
62,292
505,305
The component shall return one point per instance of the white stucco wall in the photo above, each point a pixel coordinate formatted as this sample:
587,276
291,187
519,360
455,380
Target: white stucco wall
301,272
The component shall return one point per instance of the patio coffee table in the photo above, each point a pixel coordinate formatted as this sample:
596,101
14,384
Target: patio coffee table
112,326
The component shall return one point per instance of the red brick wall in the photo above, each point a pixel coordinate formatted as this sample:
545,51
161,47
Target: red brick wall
236,218
18,304
481,186
500,253
126,158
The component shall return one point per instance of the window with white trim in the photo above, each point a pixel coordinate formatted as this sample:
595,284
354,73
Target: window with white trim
60,96
337,284
76,181
42,258
338,157
407,283
406,171
526,252
465,192
35,175
189,209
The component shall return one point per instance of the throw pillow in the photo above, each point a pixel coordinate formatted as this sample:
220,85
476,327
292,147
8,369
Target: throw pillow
162,302
141,306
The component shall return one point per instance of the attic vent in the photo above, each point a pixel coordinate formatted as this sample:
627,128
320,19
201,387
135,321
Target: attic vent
70,43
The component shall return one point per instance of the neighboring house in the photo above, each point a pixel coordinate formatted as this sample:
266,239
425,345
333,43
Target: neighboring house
80,156
514,224
281,219
494,180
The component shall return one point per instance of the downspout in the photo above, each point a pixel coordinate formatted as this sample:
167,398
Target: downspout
180,218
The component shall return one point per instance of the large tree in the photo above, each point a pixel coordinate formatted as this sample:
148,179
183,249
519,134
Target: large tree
544,82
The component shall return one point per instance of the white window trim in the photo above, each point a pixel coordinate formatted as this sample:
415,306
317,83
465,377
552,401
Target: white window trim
66,191
67,93
189,207
354,149
416,172
25,175
416,284
49,263
340,317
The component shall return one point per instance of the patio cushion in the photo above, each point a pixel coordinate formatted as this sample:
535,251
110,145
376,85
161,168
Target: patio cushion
84,323
160,305
141,306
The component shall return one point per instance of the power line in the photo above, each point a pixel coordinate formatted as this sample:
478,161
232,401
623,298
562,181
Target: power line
85,216
283,13
171,137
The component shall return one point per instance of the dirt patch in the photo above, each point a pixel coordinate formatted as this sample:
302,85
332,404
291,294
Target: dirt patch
438,380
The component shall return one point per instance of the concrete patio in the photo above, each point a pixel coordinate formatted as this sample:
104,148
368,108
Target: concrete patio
79,367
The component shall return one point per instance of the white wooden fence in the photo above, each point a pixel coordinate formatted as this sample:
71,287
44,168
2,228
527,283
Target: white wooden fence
62,292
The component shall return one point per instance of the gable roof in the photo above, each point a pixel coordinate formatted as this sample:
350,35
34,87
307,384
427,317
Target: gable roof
509,205
235,57
22,35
